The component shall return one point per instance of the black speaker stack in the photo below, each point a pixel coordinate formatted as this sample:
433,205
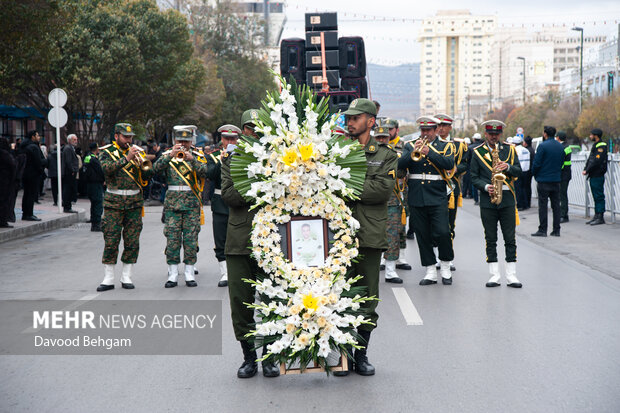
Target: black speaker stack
345,61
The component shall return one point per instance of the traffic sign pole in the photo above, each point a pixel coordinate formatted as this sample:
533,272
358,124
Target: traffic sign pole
58,118
58,164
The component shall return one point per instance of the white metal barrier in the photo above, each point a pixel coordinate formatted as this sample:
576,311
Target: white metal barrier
579,193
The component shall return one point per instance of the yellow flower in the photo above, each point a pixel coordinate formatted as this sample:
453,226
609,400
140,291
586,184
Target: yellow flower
306,151
310,302
290,157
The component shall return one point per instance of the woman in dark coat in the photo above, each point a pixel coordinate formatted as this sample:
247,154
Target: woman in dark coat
8,169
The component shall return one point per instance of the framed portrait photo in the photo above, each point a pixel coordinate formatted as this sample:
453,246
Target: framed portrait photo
307,241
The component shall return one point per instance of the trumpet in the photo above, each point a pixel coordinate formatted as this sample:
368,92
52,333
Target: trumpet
416,155
140,161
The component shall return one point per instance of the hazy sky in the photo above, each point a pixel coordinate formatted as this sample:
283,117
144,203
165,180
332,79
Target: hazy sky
390,41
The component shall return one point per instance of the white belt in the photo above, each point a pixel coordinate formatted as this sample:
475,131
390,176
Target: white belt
179,188
426,177
217,191
124,192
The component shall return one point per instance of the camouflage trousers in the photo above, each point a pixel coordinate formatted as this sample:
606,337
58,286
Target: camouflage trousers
182,227
121,222
395,233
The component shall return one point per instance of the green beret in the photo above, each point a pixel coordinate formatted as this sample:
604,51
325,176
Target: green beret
124,129
361,105
249,116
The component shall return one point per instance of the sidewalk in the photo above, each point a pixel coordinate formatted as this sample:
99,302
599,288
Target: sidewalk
51,219
596,247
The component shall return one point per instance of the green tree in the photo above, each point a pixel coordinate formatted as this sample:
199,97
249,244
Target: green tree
600,113
118,60
235,42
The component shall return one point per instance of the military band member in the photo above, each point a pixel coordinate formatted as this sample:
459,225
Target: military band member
482,170
371,212
455,199
185,169
395,225
122,205
229,135
241,264
397,143
429,162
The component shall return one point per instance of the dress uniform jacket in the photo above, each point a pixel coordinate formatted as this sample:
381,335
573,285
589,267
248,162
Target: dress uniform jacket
371,209
440,157
239,215
481,173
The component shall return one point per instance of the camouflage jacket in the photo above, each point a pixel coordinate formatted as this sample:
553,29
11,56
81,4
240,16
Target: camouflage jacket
124,175
181,173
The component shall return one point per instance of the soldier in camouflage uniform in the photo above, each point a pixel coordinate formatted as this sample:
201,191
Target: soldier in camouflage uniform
183,205
394,218
229,135
122,205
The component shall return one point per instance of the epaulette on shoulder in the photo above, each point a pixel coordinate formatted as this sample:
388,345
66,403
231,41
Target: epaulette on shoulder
198,153
388,146
105,146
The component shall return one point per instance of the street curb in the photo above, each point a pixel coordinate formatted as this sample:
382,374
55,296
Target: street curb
43,226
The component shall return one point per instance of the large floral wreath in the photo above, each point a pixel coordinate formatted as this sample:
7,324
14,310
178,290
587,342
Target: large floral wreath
297,167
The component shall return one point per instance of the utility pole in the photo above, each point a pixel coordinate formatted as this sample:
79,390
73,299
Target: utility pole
490,76
523,58
580,29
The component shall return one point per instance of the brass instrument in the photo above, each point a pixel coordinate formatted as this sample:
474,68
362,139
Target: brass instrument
416,155
497,179
140,161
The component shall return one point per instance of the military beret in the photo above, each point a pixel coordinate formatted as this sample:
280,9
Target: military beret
229,131
249,116
124,129
445,119
361,105
427,122
381,131
493,126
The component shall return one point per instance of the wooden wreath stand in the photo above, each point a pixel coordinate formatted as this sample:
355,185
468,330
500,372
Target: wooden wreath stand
342,366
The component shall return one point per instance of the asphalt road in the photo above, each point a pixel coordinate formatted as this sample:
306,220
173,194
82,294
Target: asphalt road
552,346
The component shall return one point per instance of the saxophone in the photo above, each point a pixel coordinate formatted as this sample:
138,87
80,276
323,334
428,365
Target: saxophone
497,178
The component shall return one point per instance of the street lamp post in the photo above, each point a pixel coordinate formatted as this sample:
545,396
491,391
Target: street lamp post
490,92
468,114
580,29
523,58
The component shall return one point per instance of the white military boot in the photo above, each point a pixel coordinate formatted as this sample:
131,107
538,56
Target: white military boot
495,275
189,276
173,275
452,267
126,276
390,273
224,275
401,262
430,277
511,275
108,278
446,274
382,263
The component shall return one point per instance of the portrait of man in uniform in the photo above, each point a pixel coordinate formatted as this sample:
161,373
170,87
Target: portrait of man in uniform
307,242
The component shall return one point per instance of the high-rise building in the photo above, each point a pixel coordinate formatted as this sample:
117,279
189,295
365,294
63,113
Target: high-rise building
455,56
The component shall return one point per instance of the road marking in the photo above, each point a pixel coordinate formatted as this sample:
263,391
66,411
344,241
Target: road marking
79,302
412,317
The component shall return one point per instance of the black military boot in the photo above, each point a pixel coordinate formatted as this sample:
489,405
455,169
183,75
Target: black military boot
270,367
598,219
249,367
349,355
362,366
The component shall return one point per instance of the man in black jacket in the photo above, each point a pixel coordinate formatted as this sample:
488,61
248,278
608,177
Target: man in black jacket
33,171
596,167
69,173
94,182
